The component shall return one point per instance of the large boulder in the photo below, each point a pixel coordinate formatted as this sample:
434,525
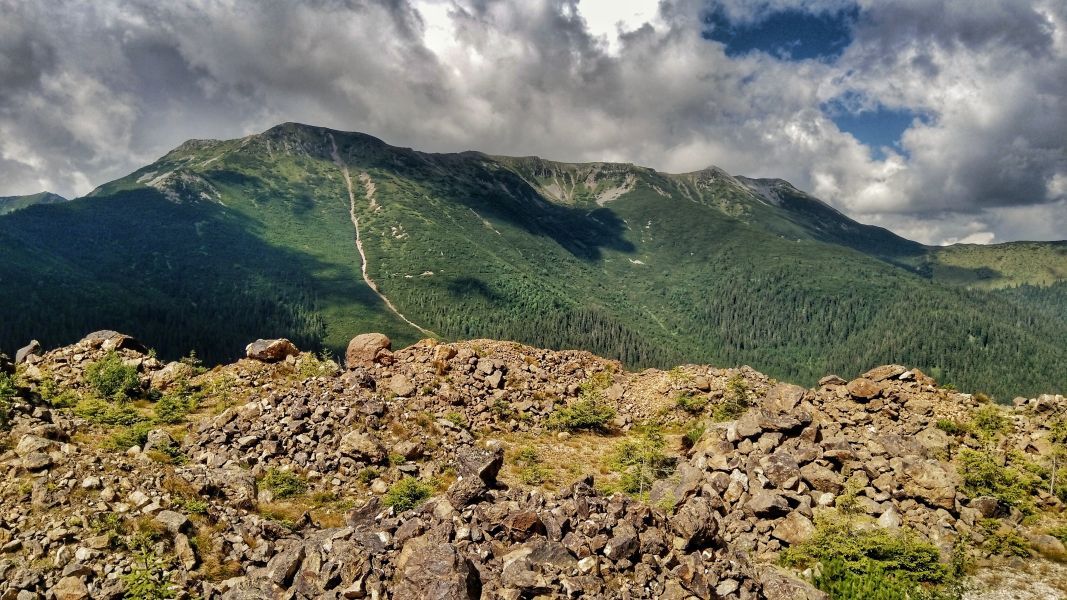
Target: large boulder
31,349
695,524
364,447
863,389
367,349
108,340
271,350
435,571
70,588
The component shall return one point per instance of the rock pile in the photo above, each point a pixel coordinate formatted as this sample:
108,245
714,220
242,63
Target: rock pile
288,480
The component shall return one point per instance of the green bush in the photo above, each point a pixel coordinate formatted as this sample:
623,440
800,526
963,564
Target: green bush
407,493
989,421
895,556
953,427
8,391
174,407
641,461
283,484
690,402
984,475
585,414
1001,538
128,437
109,377
734,402
837,579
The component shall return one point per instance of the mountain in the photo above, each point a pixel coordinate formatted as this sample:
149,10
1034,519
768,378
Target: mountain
13,203
219,242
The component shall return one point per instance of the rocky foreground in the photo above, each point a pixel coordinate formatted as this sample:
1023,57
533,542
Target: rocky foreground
488,469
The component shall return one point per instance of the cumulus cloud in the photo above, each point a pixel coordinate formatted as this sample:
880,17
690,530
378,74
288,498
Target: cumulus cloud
92,90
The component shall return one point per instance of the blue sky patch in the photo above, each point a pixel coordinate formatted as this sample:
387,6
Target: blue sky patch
788,34
875,128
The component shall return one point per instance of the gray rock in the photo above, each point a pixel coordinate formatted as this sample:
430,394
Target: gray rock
367,349
175,522
436,571
31,349
363,446
271,350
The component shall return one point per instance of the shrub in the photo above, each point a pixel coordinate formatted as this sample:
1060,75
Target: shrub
406,494
690,402
283,484
988,421
853,561
953,427
175,406
8,391
585,414
641,461
128,437
984,475
149,579
109,377
1001,538
530,471
457,419
734,402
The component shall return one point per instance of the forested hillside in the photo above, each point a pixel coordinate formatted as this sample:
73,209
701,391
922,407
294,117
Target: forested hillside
221,242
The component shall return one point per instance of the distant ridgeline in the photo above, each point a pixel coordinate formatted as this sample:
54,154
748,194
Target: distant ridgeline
220,242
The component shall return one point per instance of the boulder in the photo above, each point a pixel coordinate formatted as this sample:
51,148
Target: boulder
436,571
367,349
108,340
822,478
70,588
174,522
363,446
783,398
766,503
863,389
694,524
794,529
781,469
931,481
401,385
885,372
777,585
481,463
271,351
31,349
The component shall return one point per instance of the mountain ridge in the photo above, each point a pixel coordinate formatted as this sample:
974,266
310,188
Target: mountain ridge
648,267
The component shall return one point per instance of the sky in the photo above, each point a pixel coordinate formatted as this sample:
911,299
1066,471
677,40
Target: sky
944,121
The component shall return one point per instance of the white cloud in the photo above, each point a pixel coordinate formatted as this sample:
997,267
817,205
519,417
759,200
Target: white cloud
95,90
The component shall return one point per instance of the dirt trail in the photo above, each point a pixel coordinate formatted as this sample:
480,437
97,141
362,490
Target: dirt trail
359,239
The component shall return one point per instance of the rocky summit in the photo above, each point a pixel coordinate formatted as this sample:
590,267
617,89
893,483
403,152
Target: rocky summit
488,469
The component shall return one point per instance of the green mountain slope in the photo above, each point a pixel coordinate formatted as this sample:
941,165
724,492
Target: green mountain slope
12,203
220,242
